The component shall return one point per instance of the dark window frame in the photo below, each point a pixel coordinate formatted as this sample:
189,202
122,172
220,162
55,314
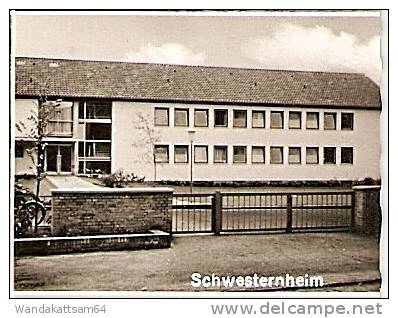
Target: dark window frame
207,117
334,114
235,111
207,154
351,161
168,116
306,121
233,154
324,156
270,156
317,156
225,111
168,153
257,162
301,119
186,147
288,156
226,154
283,119
186,111
351,127
264,116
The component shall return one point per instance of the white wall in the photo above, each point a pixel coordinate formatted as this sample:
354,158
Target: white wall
130,153
23,110
25,165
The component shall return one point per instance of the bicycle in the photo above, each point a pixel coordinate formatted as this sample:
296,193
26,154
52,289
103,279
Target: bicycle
29,212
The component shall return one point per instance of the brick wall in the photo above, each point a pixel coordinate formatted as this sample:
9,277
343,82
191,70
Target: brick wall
367,216
110,211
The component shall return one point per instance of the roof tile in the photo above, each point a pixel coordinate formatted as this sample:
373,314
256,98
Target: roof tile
162,82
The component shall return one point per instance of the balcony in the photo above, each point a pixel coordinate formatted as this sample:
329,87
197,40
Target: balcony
59,128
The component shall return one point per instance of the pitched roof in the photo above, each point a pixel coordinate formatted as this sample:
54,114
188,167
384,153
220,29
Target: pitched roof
162,82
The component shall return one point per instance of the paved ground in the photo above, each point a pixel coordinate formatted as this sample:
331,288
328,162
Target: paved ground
339,257
54,182
45,186
67,182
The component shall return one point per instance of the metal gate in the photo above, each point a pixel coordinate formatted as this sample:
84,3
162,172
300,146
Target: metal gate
245,212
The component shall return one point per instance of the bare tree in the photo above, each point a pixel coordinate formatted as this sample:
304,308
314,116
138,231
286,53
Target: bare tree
37,131
148,137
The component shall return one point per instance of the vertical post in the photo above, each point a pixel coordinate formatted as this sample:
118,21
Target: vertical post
216,216
289,215
191,135
191,160
59,161
353,211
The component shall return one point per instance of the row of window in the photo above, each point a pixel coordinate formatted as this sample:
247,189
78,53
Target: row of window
201,119
220,154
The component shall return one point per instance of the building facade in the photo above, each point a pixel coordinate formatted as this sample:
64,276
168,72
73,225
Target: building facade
233,124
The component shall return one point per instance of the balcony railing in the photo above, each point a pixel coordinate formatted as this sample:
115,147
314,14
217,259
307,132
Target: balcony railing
59,128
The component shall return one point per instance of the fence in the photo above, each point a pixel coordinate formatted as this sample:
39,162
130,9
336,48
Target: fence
244,212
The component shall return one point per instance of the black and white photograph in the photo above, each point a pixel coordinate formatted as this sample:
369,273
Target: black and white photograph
170,153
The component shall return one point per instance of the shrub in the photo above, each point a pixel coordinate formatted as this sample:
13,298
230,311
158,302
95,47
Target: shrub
119,179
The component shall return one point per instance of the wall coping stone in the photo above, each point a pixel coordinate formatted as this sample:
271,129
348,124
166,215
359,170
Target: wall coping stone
367,187
113,190
92,237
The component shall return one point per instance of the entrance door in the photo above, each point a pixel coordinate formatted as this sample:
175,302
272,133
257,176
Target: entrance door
59,158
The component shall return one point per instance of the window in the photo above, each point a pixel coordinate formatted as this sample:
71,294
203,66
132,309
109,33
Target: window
347,121
258,154
60,120
329,155
161,116
312,155
295,120
98,131
181,117
220,154
239,154
81,110
161,153
201,154
94,149
294,155
95,110
19,150
201,118
180,154
240,118
347,155
220,118
95,166
312,120
329,121
277,119
276,155
258,119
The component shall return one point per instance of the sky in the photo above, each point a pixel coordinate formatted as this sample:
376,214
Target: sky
316,43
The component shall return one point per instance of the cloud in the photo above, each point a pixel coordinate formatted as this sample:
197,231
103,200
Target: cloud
171,53
316,49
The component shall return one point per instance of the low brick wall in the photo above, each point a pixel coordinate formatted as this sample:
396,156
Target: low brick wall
367,216
110,211
80,244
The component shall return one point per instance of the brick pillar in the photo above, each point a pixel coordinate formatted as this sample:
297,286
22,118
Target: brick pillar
367,213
